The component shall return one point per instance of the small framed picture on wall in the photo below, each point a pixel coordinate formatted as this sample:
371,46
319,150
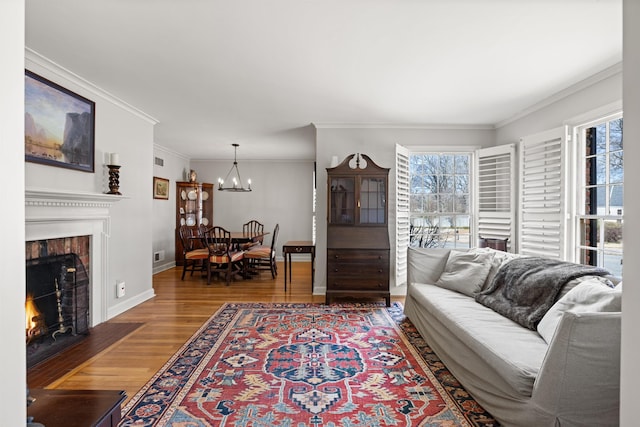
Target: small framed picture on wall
160,188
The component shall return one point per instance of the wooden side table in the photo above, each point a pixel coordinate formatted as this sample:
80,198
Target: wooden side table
76,408
298,247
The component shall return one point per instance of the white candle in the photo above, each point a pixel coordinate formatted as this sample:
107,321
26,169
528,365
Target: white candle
115,159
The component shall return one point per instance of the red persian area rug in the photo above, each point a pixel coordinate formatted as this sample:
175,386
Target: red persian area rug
304,365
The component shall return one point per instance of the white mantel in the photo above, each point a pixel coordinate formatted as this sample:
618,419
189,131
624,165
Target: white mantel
52,214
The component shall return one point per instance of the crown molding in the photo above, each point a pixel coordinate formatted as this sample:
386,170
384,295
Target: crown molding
60,71
419,126
171,152
581,85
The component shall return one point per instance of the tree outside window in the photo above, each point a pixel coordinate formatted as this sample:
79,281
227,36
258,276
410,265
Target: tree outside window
439,200
601,219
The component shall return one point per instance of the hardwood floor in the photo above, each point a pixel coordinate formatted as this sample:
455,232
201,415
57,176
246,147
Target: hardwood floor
154,330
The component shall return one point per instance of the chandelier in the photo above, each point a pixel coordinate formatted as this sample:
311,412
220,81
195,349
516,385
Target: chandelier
234,174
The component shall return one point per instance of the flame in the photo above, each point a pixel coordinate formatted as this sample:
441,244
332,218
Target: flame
31,313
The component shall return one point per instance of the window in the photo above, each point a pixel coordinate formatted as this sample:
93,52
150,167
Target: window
439,200
600,212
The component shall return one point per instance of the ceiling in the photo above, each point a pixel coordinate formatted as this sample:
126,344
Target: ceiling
260,72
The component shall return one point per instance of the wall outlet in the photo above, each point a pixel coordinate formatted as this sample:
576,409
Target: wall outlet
120,289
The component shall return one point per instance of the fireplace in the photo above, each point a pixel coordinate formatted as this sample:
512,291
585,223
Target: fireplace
52,215
57,298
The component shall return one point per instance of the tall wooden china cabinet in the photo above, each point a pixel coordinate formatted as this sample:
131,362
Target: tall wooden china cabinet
357,229
194,206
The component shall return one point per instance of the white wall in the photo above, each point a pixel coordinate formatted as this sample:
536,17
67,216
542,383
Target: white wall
630,375
282,194
379,144
13,372
594,93
164,211
123,129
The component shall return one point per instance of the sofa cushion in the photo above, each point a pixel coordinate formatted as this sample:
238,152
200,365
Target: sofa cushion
465,271
588,296
515,352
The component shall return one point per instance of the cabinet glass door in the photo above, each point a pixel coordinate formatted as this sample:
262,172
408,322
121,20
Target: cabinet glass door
342,201
372,201
191,209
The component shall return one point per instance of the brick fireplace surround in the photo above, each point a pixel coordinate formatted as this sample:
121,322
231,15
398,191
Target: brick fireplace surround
53,214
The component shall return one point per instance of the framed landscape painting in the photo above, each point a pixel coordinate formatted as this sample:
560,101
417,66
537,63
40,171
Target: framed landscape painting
59,125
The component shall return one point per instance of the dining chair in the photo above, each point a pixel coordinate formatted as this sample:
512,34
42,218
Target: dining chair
252,228
202,229
222,257
194,255
261,257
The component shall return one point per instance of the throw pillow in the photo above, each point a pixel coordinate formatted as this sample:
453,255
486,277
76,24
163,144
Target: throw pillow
589,296
575,282
499,259
465,271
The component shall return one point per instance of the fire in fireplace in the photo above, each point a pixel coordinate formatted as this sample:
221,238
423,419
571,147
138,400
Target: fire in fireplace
57,305
35,326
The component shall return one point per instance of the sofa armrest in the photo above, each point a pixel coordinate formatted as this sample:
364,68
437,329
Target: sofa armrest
425,265
579,379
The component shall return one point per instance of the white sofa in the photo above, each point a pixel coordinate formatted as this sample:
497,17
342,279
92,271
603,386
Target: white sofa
571,378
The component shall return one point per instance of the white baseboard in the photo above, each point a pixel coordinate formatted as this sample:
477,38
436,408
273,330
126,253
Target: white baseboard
163,267
129,303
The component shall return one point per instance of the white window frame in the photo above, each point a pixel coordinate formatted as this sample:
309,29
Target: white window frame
578,187
458,150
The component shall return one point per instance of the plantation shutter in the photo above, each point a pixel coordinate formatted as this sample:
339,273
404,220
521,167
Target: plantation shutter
402,213
542,211
496,218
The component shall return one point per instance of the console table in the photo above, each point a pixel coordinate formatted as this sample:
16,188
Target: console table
298,247
76,408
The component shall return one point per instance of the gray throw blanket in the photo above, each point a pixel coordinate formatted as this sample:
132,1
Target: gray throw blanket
525,288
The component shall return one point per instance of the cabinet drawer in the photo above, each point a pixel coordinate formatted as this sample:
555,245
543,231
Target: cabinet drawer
298,249
357,285
354,271
357,256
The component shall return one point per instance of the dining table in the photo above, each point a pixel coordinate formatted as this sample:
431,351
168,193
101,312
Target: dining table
239,237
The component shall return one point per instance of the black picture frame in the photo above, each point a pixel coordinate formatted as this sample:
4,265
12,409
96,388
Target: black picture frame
59,125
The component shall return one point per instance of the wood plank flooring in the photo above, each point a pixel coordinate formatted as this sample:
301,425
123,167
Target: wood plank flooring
142,339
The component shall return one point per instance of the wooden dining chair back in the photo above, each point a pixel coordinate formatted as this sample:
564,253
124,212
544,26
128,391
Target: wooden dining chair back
222,258
252,228
194,254
263,257
202,229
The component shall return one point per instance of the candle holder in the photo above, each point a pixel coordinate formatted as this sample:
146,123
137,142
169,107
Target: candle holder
114,179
